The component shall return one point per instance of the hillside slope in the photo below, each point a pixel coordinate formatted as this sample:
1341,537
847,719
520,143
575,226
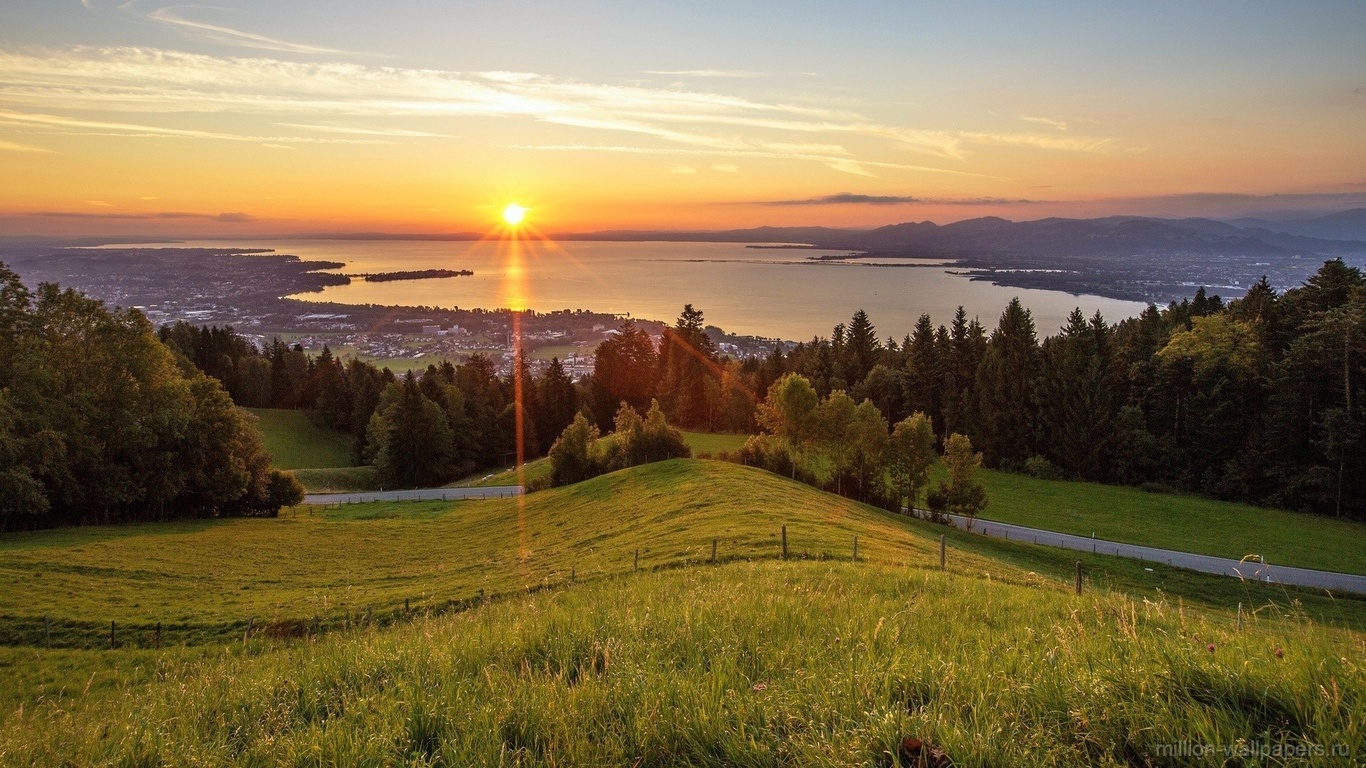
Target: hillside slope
759,664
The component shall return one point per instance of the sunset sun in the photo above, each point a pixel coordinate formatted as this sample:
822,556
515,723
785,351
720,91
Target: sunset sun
513,214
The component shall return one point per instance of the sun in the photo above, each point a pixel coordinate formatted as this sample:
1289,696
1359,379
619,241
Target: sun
513,214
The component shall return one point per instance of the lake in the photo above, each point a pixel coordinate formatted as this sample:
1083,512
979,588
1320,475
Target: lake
758,291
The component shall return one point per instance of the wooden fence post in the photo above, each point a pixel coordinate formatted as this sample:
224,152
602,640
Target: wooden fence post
1240,617
1078,577
855,559
573,574
941,551
713,551
635,563
158,635
47,631
251,624
406,610
784,542
111,634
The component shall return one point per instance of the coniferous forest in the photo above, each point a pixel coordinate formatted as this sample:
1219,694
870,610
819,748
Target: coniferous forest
1256,400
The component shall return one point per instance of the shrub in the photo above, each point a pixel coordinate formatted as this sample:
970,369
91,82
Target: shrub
1041,468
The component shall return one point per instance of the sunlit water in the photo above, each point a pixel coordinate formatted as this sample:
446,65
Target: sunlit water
764,292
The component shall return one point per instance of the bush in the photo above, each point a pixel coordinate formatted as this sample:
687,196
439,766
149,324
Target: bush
1041,468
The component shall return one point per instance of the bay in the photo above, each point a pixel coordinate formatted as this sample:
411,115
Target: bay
770,292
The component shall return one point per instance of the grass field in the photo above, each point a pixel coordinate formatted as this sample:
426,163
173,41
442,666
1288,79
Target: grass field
825,664
295,442
713,443
339,479
1173,521
753,662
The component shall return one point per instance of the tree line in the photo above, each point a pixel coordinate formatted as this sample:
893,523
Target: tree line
101,423
416,429
1255,400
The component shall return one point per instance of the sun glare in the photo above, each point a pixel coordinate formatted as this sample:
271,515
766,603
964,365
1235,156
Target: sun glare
513,214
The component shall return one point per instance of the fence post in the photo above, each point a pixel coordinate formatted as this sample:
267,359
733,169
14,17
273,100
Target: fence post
47,631
855,548
406,610
573,574
315,628
158,635
635,564
941,551
251,624
111,634
1240,617
1078,577
784,542
713,550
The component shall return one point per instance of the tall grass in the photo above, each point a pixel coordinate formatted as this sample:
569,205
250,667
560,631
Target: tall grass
798,663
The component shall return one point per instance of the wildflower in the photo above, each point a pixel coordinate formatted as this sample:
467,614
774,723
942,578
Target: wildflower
1280,652
760,687
1210,647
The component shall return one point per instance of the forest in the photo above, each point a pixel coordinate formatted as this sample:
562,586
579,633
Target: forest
1254,400
101,423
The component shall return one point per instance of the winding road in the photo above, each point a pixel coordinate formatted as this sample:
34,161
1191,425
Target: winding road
1252,570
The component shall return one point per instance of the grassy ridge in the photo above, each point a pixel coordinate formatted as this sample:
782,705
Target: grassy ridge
295,442
826,664
207,580
1174,521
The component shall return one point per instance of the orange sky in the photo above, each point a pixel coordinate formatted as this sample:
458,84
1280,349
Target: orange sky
147,118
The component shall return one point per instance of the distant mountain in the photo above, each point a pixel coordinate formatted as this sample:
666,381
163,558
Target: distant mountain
1346,225
795,235
1111,236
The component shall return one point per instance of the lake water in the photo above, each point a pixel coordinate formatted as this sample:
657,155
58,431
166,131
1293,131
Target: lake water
758,291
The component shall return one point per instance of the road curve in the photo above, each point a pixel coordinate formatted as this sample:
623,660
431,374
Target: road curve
421,494
1252,570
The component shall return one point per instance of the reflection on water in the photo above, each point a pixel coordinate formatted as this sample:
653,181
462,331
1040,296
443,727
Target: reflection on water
765,292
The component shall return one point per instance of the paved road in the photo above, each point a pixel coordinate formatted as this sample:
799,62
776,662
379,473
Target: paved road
423,494
1243,569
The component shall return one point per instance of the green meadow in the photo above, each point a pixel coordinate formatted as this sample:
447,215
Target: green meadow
529,631
295,442
1176,521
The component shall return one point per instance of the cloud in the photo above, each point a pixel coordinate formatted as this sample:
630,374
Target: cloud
850,198
358,131
42,88
848,165
172,15
1090,144
1060,125
726,168
63,124
230,217
686,170
737,73
10,146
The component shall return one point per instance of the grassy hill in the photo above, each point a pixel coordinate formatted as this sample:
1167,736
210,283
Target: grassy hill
1175,521
807,663
816,660
297,443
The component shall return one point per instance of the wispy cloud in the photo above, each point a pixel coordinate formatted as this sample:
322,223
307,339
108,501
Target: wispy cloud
189,19
850,198
64,124
38,88
857,167
1048,121
1050,141
402,133
230,217
726,168
685,170
11,146
734,73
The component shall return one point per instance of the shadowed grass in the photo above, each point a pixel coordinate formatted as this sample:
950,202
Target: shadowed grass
295,442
